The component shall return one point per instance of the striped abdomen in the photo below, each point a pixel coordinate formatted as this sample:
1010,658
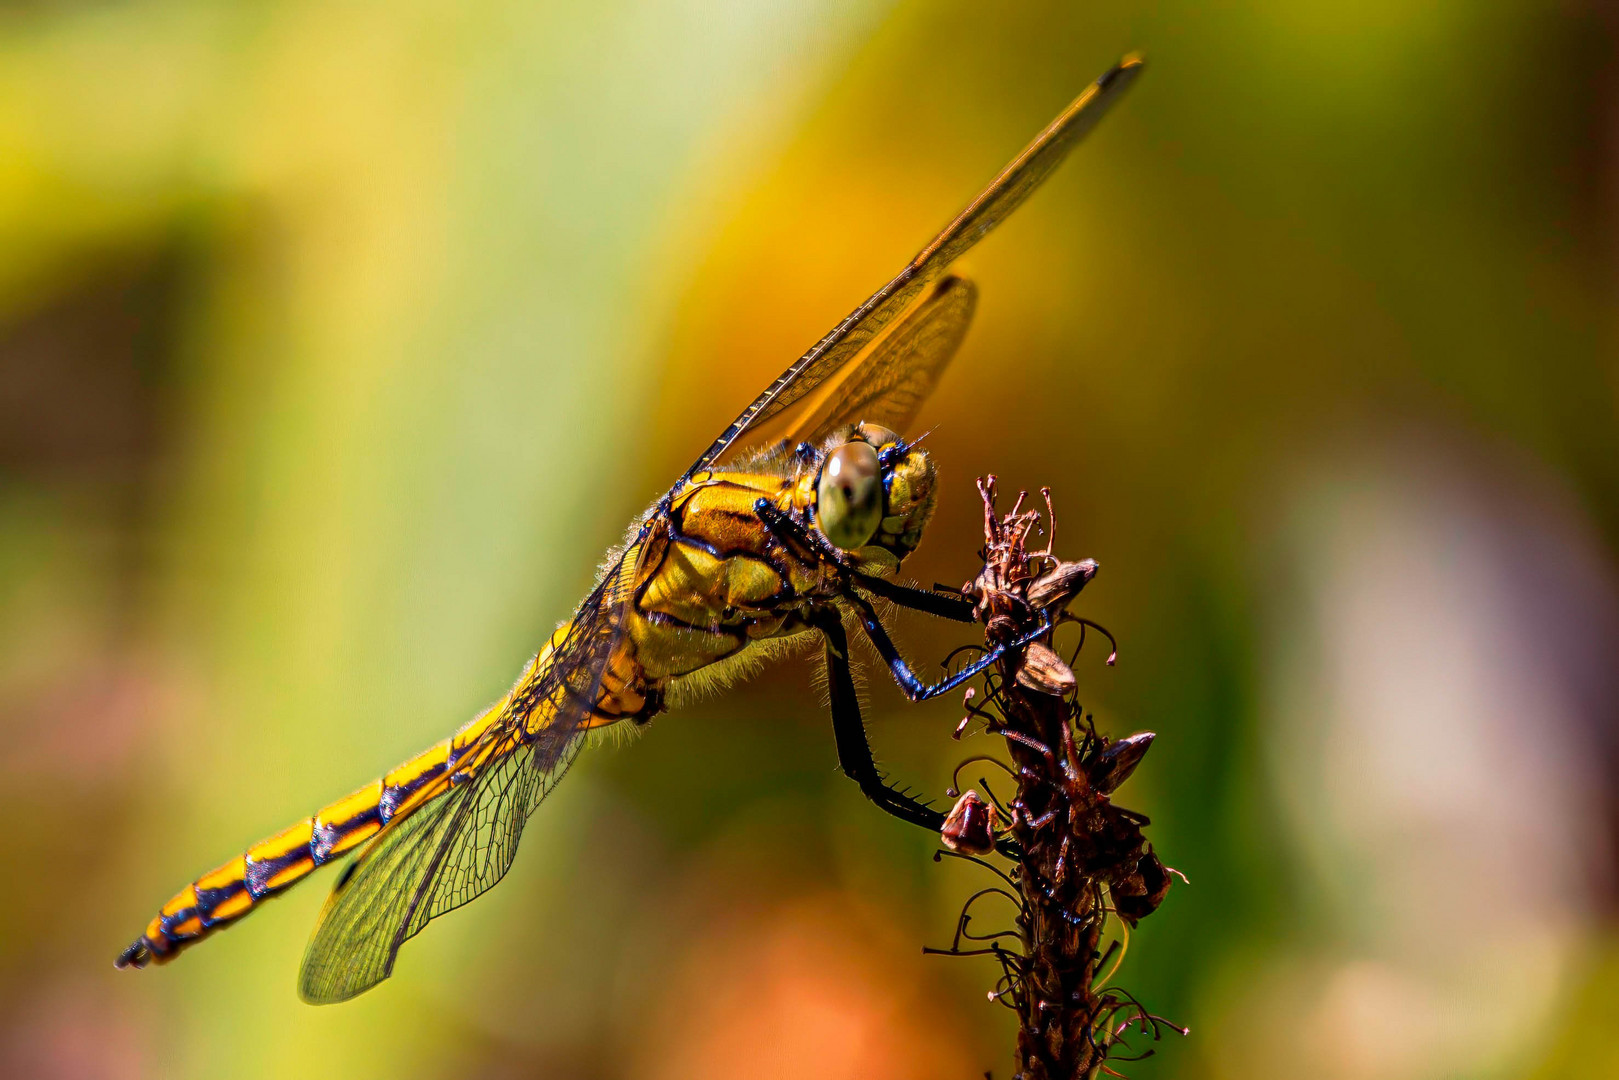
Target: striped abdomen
223,895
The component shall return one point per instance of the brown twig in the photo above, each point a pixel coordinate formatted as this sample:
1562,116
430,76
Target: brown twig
1080,860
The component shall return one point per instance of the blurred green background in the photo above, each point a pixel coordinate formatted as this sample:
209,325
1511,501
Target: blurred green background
337,341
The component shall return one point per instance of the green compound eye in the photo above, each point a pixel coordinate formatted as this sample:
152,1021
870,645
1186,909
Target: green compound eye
849,497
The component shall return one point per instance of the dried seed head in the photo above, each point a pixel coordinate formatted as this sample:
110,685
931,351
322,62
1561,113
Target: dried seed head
1044,670
1137,893
970,826
1052,590
1113,766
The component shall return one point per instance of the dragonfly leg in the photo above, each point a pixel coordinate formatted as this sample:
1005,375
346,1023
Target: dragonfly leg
915,688
788,529
849,729
932,602
929,601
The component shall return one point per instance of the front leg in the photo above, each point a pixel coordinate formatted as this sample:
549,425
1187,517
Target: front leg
915,688
849,730
944,604
932,602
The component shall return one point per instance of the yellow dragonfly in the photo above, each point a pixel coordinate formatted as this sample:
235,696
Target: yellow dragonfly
797,516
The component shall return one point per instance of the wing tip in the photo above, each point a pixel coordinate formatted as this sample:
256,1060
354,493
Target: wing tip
312,995
953,282
328,987
1118,78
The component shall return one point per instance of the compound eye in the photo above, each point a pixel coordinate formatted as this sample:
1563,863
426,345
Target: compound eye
849,498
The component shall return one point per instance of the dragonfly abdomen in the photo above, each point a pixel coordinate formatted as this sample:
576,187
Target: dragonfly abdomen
228,892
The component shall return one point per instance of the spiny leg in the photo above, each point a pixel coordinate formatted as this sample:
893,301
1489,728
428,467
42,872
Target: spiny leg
915,688
849,730
932,602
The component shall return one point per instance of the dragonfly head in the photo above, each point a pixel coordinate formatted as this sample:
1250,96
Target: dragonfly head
874,494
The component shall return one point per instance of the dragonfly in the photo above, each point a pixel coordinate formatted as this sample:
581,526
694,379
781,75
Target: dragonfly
794,522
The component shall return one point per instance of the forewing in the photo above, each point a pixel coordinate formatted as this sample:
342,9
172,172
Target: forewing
1005,194
889,383
458,846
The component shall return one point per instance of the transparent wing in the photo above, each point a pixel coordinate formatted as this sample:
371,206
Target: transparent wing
888,384
459,845
1005,194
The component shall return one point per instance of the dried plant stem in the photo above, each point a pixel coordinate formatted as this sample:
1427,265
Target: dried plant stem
1079,859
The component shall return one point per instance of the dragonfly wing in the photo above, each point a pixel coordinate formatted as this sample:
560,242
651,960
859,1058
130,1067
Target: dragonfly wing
888,385
1005,194
459,845
435,861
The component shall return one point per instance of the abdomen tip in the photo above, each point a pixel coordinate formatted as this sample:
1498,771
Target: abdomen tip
136,956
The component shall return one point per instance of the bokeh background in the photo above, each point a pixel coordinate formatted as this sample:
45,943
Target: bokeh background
337,341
